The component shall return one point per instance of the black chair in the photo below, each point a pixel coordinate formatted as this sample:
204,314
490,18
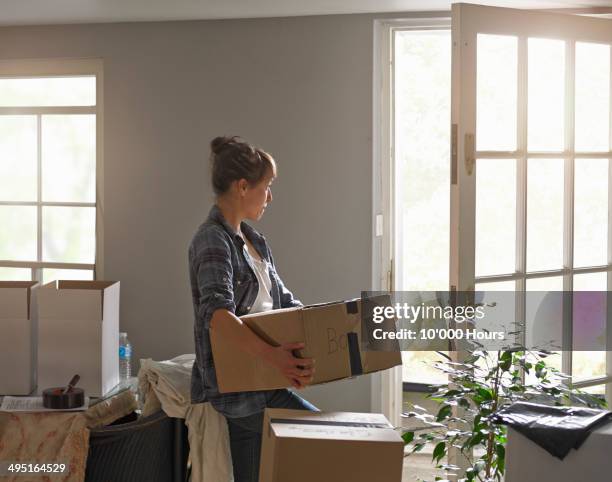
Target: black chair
149,449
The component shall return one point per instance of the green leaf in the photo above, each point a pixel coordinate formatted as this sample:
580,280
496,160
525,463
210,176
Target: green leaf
472,359
485,393
439,451
444,412
452,393
500,451
501,458
473,441
505,361
418,448
540,369
408,437
477,424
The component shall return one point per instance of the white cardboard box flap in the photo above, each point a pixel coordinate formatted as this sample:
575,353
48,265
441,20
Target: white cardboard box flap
15,299
82,300
18,329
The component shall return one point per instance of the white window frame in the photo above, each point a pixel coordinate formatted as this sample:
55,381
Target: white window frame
387,390
61,68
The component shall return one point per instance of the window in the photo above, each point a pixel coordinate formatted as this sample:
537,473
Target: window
50,157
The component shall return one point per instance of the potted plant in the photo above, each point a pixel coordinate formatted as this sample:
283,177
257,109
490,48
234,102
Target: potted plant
480,385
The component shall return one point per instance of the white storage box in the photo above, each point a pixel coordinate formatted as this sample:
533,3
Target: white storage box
18,324
79,333
526,461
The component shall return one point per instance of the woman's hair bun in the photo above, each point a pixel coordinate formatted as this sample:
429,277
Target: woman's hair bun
233,159
221,142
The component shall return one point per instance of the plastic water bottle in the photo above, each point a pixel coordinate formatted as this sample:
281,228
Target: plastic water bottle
125,357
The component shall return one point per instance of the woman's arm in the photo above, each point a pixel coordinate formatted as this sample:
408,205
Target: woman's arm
210,260
299,371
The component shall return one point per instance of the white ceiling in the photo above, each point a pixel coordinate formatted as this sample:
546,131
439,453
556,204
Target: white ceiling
37,12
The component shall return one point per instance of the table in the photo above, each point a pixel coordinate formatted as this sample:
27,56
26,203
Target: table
105,453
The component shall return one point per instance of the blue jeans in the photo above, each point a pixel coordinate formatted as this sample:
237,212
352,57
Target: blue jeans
245,434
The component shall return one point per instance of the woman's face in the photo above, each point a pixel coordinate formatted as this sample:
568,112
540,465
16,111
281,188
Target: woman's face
257,197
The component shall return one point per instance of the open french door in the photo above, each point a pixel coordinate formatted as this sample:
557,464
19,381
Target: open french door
531,189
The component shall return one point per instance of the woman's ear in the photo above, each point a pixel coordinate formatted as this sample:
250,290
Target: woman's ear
243,185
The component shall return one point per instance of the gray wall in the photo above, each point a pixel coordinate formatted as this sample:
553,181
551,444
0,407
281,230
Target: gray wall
299,87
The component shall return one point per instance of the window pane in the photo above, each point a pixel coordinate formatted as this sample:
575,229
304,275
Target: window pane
495,216
18,158
589,310
544,214
592,97
417,367
496,286
15,274
18,233
546,94
540,315
50,274
505,307
422,116
590,282
595,390
48,91
496,93
590,212
548,283
69,158
69,234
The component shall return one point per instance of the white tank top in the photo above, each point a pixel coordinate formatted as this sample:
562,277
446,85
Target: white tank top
263,302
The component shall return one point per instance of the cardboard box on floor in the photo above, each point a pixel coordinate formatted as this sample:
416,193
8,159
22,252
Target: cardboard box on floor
79,333
330,331
303,446
18,324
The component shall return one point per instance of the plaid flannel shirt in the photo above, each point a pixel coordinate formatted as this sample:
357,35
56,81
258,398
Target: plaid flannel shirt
223,277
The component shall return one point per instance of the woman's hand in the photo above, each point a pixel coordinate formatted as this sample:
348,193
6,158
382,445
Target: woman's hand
299,371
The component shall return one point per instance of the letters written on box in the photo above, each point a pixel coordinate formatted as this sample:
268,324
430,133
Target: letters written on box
18,325
303,446
332,333
79,333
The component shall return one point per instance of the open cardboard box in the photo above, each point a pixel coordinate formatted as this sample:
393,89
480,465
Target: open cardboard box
332,333
79,333
18,327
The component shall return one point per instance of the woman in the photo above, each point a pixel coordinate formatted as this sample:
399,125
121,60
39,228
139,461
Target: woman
232,273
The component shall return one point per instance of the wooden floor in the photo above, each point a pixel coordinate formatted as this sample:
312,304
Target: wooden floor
419,465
